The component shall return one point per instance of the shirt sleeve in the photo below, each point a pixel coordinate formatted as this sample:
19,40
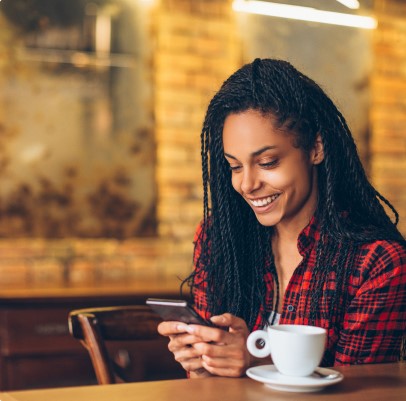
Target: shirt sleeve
374,323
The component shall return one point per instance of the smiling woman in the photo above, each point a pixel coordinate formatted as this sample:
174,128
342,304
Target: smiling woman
292,229
275,177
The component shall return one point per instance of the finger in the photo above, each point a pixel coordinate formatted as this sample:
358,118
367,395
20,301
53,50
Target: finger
232,362
192,365
189,359
171,328
233,351
183,341
228,320
230,359
224,362
225,370
206,333
187,354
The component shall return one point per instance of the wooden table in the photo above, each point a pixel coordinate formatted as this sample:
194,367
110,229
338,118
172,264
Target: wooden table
383,382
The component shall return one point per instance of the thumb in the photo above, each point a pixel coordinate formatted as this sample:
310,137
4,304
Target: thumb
228,320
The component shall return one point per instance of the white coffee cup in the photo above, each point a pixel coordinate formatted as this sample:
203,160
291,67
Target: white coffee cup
296,350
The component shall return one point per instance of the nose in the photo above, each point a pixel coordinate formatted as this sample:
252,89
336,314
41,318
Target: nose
249,181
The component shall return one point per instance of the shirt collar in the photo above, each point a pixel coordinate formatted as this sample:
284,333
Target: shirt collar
309,236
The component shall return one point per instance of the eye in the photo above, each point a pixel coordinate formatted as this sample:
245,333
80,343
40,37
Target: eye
235,168
269,164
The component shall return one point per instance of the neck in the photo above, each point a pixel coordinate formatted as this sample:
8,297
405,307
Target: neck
288,230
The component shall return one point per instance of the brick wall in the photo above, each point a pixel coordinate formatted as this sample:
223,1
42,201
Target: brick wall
196,50
388,109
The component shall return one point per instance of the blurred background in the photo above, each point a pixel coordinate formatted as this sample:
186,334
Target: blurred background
101,107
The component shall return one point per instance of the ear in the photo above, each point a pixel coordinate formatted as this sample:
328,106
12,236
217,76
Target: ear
317,153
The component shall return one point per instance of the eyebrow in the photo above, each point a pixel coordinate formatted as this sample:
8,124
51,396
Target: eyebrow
256,153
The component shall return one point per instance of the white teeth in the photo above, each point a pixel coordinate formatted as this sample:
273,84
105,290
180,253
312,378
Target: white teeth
264,202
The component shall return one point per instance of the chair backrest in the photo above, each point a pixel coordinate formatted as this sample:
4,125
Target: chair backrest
94,326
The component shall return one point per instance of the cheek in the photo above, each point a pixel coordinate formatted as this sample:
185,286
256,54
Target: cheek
279,179
236,182
287,180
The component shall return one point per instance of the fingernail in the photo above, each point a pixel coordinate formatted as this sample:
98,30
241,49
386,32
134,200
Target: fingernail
190,329
181,327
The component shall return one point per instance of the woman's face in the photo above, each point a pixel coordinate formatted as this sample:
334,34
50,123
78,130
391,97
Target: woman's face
277,179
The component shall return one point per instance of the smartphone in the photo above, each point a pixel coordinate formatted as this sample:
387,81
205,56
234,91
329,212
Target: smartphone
176,310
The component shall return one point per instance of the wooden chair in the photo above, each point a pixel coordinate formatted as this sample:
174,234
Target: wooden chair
95,326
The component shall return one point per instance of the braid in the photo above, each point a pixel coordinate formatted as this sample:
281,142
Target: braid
387,203
236,251
317,289
255,74
277,289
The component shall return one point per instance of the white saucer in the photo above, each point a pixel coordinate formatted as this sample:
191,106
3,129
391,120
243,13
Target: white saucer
268,375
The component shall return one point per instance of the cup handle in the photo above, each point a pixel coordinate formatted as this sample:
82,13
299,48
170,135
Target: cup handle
252,344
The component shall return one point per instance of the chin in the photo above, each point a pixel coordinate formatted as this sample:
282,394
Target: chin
267,221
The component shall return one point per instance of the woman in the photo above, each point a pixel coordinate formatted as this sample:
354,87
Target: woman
292,232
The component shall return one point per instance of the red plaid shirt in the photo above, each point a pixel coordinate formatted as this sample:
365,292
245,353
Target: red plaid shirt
375,320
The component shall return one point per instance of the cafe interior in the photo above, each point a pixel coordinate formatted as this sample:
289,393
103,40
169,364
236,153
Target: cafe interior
101,108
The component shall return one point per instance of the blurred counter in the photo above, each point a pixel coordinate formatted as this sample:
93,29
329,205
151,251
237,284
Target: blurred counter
135,290
37,351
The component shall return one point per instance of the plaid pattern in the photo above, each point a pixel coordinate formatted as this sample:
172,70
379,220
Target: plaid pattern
374,322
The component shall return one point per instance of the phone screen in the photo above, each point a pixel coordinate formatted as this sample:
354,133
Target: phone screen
176,310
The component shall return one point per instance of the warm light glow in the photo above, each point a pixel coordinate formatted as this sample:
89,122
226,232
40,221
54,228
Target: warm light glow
303,14
354,4
103,34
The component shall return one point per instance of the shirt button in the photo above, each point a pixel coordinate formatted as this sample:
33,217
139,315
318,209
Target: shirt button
291,308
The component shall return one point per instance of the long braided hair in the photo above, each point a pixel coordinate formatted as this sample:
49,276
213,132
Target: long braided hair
235,248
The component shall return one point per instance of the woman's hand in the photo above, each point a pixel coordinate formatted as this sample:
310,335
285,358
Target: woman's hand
181,344
204,351
223,352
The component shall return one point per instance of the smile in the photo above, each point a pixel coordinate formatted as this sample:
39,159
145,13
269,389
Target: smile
263,202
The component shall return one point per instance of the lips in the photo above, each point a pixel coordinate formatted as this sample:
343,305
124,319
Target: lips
263,201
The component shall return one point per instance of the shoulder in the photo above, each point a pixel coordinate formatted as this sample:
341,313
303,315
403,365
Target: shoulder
201,231
199,235
198,232
385,250
201,253
382,257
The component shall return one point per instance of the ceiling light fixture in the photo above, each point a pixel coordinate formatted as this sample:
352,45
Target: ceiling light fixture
354,4
304,14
